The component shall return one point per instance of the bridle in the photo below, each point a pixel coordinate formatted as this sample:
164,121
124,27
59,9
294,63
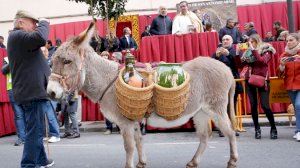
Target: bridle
62,79
70,90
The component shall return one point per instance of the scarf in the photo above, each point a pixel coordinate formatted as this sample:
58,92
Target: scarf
195,20
265,47
293,51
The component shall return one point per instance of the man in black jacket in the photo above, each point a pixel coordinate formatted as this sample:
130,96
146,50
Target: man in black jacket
162,24
226,53
30,73
250,30
278,28
230,30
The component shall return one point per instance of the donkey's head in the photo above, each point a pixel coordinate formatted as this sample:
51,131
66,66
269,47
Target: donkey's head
68,72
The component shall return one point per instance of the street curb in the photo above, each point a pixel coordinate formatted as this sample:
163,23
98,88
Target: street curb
99,126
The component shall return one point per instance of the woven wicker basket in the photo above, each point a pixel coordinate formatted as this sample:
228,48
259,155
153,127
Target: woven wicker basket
134,102
171,102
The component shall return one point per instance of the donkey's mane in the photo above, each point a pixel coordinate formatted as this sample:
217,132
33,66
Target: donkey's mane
99,74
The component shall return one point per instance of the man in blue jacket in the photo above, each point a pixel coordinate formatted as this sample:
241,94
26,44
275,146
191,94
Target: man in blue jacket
162,24
30,73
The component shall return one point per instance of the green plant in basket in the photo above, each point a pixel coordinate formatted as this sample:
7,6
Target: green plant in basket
181,79
170,75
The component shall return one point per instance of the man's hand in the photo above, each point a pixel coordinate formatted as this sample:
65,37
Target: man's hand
237,49
224,51
250,45
218,52
44,19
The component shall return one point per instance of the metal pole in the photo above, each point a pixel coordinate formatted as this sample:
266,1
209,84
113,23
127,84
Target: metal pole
291,16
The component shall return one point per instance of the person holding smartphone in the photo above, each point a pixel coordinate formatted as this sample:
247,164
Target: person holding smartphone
290,70
257,62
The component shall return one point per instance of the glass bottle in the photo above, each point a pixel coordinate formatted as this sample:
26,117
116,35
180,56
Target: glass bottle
131,76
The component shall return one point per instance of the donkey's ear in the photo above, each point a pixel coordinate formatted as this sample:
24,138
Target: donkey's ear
84,37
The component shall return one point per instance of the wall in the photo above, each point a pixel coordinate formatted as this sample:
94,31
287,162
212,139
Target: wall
62,11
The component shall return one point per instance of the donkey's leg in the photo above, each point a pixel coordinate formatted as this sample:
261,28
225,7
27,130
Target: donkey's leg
139,145
201,121
128,137
224,125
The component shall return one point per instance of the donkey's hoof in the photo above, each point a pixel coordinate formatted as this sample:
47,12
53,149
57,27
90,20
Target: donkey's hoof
192,165
141,165
231,164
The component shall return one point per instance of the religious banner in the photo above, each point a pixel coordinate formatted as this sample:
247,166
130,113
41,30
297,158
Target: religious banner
278,94
215,12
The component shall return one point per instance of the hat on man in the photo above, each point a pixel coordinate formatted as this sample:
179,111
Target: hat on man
25,14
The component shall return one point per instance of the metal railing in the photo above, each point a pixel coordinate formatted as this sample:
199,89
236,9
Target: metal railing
241,108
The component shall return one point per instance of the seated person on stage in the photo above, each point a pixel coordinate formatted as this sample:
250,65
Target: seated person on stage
162,24
269,37
111,42
1,42
249,30
279,29
97,43
126,41
209,27
283,35
146,32
186,21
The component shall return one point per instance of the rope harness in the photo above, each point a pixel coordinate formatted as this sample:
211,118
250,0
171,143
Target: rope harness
62,79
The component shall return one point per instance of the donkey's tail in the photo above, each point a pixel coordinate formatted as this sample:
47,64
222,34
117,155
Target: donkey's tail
231,105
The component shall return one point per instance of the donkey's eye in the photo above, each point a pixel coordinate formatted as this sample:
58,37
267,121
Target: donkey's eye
67,62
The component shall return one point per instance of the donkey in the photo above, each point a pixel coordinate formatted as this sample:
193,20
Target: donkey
77,66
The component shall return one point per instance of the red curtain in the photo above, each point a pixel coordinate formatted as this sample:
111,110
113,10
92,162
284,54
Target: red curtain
65,31
264,15
173,48
7,125
121,26
90,110
3,94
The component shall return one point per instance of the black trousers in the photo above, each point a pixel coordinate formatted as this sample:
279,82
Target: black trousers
264,100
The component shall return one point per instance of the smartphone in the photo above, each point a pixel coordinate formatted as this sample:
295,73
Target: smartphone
289,59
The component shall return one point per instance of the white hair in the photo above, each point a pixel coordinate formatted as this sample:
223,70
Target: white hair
160,7
228,36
